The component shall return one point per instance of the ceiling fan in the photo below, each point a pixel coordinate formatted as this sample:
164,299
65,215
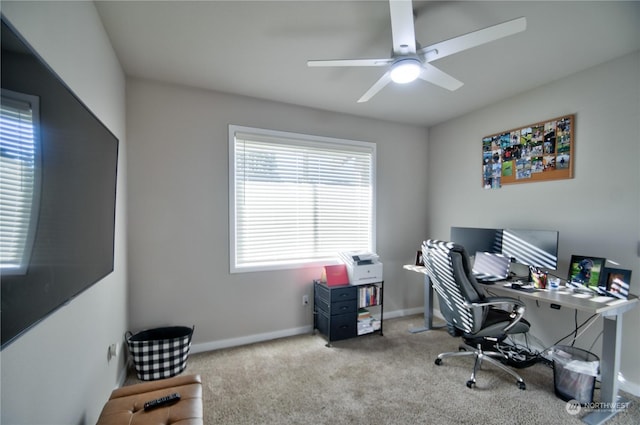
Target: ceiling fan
409,61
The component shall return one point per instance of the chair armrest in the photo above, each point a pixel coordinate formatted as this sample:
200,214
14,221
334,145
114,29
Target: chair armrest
517,311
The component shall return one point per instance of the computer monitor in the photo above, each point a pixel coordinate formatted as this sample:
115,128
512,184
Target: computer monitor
586,271
475,239
536,248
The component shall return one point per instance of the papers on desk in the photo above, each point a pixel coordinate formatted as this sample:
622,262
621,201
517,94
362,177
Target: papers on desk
601,299
582,295
419,269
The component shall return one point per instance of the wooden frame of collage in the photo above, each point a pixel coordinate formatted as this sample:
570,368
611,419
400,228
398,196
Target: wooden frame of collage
537,152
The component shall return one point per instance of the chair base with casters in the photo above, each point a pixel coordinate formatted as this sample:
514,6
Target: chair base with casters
493,357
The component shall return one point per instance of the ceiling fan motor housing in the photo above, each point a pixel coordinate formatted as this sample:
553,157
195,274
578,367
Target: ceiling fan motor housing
405,70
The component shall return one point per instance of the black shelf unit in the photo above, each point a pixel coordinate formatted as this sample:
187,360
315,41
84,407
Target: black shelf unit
335,309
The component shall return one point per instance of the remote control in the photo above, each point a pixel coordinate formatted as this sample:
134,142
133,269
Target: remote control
162,401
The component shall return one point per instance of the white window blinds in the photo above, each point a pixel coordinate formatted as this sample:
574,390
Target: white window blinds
18,179
298,199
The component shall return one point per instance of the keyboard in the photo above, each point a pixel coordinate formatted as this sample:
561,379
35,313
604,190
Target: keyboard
523,288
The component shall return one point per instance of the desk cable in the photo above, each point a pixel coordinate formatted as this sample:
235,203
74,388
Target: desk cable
586,324
595,340
539,354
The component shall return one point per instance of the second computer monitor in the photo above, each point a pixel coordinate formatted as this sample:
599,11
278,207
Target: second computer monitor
537,248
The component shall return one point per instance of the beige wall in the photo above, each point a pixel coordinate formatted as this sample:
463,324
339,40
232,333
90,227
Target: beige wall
58,373
179,214
597,212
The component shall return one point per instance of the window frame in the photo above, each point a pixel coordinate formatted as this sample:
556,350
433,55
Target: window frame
298,139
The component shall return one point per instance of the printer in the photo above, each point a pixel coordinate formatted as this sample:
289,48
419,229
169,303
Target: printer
362,267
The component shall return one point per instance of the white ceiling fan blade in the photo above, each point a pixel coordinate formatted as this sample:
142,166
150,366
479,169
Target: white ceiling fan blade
350,62
473,39
402,30
376,87
433,75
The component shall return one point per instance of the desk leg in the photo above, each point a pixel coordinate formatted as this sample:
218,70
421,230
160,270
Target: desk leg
428,308
609,368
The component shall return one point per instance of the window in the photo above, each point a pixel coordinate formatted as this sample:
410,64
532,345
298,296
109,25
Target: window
297,199
19,177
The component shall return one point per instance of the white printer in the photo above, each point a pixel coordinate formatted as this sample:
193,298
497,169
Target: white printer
362,267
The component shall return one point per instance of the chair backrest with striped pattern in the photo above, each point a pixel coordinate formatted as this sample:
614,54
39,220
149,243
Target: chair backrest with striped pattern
447,267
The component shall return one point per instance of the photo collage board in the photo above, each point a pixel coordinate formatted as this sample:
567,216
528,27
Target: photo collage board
536,152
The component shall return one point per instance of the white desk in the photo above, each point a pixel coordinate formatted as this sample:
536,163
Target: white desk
611,312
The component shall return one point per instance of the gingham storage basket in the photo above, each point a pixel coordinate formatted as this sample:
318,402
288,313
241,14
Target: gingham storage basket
161,352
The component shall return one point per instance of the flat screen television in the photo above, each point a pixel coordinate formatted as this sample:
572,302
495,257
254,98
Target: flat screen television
57,192
475,239
536,248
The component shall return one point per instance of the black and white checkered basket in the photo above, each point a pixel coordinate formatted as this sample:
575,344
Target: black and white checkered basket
161,352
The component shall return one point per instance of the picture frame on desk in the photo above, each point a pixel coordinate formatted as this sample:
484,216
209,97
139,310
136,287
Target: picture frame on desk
616,282
586,271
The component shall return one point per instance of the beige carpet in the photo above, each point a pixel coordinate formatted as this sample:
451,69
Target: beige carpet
390,379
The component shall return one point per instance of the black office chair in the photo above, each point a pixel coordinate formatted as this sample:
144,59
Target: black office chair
469,313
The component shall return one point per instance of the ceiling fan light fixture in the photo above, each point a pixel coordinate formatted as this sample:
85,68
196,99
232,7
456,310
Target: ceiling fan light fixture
405,71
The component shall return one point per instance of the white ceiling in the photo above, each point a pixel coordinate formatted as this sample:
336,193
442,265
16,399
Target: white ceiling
260,49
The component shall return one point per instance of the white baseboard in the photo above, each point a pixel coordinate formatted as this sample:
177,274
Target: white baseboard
403,313
249,339
268,336
629,387
122,375
411,312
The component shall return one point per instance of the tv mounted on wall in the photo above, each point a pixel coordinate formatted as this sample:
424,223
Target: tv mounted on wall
57,193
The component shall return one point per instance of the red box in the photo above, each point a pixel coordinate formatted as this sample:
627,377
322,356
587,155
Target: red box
336,275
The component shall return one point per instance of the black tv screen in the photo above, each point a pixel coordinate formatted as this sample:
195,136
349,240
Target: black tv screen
58,190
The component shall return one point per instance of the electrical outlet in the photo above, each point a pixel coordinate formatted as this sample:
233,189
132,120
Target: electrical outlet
112,351
305,300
